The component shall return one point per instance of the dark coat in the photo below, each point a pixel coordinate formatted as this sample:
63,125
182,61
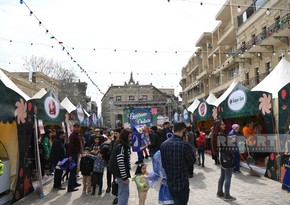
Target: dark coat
57,152
156,140
86,166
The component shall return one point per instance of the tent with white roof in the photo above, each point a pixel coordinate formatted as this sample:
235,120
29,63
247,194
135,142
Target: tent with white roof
277,79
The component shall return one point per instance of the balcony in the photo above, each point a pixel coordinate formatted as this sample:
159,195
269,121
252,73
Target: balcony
252,82
203,73
263,38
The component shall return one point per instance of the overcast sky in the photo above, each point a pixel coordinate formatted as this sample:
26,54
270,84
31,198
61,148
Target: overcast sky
108,25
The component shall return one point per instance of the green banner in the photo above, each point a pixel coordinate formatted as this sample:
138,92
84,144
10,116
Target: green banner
47,109
284,109
204,111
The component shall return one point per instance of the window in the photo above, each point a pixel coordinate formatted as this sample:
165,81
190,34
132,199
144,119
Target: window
111,99
232,73
131,98
260,3
247,79
144,97
257,75
268,67
118,98
217,80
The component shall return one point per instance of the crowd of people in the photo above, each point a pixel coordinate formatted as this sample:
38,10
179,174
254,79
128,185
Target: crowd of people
177,147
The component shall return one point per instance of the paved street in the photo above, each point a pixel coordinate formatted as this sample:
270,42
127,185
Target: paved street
248,190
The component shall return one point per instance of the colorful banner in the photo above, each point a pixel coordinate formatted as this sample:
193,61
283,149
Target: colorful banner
140,116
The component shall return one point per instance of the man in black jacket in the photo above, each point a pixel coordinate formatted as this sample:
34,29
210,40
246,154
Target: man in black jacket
57,154
156,139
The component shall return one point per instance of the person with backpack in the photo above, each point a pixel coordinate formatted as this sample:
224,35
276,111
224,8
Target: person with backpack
227,161
200,143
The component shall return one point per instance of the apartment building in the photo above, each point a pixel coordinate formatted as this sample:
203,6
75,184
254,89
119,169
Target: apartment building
246,45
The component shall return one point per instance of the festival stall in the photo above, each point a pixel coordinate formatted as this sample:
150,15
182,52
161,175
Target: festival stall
284,126
204,116
242,106
274,83
16,127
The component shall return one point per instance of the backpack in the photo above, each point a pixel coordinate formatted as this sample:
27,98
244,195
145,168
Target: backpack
201,143
227,158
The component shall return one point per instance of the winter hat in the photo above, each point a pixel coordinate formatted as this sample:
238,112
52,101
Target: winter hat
235,126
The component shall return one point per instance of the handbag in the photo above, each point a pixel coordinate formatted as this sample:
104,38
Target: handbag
115,188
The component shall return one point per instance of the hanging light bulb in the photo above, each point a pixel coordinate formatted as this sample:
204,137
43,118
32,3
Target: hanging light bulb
30,14
239,9
268,12
39,23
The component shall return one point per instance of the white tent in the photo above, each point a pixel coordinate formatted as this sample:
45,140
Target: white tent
277,79
193,106
67,104
224,95
211,99
39,94
8,83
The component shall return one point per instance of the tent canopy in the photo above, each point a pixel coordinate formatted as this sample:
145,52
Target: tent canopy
211,99
204,111
39,94
224,95
193,106
67,104
8,83
277,79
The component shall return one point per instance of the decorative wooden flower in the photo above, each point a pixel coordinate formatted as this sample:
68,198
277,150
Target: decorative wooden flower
265,104
214,113
20,112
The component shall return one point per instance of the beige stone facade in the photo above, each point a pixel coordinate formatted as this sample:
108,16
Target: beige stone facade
133,95
245,47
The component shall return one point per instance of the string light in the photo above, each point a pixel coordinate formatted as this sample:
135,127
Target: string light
61,43
268,12
239,9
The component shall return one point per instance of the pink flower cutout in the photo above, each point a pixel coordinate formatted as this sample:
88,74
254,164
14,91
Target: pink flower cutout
20,111
214,113
154,111
265,104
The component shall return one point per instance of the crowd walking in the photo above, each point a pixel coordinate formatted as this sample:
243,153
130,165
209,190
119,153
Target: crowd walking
173,154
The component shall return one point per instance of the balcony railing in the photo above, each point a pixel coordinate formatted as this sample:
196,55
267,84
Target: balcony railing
275,27
252,82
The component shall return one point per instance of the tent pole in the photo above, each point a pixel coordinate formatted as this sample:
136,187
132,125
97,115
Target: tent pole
277,134
37,161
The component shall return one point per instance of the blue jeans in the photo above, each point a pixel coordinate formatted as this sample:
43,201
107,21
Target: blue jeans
237,162
180,197
201,152
140,156
225,178
72,180
123,192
